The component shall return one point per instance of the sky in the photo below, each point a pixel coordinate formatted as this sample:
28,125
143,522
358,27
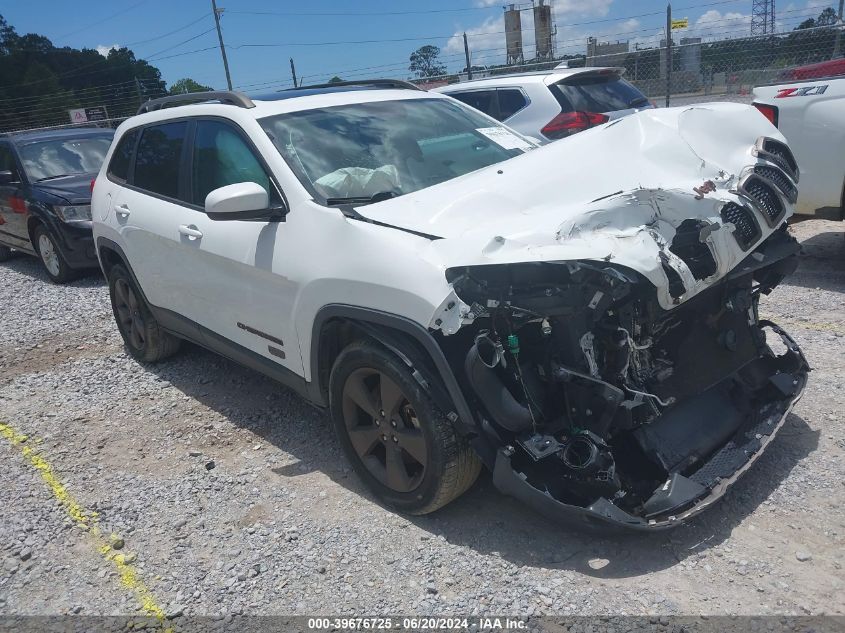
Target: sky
356,40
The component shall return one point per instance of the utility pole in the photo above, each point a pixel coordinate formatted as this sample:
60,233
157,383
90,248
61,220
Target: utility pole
838,46
466,52
217,13
293,73
138,88
668,52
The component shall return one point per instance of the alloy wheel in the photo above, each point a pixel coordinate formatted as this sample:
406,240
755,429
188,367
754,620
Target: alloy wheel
384,430
129,313
49,256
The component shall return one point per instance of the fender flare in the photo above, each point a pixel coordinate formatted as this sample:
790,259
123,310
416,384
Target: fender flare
383,326
104,242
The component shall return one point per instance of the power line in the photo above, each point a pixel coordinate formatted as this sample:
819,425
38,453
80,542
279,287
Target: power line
326,14
198,50
161,37
152,56
111,17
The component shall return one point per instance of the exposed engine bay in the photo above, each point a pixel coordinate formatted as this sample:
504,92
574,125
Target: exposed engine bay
604,402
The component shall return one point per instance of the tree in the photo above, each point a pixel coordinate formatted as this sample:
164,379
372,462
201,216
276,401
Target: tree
827,17
335,80
187,85
40,82
425,63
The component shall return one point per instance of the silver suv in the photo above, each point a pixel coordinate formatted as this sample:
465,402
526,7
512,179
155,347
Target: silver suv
553,104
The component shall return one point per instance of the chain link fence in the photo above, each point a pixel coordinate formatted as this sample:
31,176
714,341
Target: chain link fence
697,70
105,106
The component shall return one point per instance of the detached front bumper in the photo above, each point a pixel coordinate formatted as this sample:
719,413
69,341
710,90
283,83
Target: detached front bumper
782,382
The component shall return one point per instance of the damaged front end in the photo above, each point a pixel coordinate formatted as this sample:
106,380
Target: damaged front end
600,406
608,399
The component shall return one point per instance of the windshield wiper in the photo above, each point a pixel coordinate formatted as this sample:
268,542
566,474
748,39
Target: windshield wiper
376,197
638,101
54,177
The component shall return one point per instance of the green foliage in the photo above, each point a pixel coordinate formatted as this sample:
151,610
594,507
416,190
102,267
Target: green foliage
187,85
335,80
40,82
425,62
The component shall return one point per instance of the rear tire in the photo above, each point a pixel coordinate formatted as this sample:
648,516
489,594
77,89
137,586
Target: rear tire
54,263
5,253
404,448
144,338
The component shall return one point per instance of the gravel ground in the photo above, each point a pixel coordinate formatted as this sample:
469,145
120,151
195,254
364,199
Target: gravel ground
233,496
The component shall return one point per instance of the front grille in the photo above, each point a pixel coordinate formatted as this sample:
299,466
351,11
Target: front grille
780,179
747,231
766,198
780,154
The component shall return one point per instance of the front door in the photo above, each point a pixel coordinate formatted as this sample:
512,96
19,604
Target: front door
13,209
230,263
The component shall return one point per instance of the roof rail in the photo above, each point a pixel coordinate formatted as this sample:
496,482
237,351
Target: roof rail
230,97
384,83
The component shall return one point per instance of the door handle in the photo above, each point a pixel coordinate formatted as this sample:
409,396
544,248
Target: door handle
190,231
122,210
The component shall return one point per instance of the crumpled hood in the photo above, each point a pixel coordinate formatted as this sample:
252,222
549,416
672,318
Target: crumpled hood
615,193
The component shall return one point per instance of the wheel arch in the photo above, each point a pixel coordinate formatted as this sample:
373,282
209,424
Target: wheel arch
32,223
111,254
338,325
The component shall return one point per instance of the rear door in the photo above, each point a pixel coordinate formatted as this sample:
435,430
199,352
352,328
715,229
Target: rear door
149,210
13,207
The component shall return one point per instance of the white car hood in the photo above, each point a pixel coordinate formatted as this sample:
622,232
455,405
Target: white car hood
614,193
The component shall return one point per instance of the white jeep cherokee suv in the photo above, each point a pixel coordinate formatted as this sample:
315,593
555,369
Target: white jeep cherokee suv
580,318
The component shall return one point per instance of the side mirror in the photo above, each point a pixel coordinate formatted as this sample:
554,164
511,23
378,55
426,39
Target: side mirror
241,201
8,178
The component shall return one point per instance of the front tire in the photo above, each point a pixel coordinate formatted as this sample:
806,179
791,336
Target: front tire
5,253
144,338
51,257
399,442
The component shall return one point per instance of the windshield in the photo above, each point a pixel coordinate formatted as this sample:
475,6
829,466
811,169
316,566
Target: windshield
372,151
64,157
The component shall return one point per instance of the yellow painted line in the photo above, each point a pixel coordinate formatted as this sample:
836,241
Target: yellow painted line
86,520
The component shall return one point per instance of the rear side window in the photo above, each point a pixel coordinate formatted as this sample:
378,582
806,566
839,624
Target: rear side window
500,104
597,93
159,158
222,157
119,165
484,100
511,101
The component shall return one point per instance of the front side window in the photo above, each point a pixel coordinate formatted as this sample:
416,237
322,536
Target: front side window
222,157
159,158
387,148
119,165
45,160
483,100
7,160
